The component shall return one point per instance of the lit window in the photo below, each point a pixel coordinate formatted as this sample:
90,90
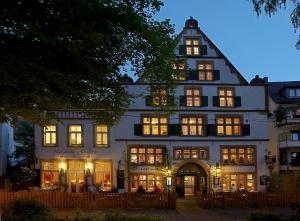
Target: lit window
226,96
157,126
102,170
192,126
159,96
190,153
180,72
238,155
228,126
148,182
193,97
146,155
101,135
50,135
192,46
239,181
75,135
205,71
50,174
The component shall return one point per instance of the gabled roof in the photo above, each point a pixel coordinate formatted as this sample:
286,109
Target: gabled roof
276,92
232,67
193,24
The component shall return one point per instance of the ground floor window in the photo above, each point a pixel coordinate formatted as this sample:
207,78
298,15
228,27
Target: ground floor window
147,181
102,170
50,174
238,182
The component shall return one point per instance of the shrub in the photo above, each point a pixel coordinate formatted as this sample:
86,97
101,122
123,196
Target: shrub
264,216
26,210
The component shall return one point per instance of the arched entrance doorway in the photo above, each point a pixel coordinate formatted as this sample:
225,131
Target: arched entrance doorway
190,178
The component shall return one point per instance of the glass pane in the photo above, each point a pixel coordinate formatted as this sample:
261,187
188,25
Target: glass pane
146,120
201,66
146,129
188,92
164,130
163,120
188,42
196,50
184,130
154,120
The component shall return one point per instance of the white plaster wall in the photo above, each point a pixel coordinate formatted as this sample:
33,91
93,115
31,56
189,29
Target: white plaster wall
252,96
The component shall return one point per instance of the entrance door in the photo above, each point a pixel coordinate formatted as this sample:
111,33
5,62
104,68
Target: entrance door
189,185
75,176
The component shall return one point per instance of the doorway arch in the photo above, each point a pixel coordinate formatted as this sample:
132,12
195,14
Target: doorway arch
191,177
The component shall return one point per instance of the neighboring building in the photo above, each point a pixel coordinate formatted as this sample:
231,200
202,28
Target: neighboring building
6,146
217,138
285,134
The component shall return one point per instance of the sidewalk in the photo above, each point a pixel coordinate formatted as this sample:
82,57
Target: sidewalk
187,210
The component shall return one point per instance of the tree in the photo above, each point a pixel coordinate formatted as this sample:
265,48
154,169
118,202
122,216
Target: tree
270,7
70,54
24,143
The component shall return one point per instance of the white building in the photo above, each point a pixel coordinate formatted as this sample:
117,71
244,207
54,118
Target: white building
6,146
217,138
285,133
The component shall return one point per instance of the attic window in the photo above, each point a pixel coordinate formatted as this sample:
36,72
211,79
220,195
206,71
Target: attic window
192,46
294,92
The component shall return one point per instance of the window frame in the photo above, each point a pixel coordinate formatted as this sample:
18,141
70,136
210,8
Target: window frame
192,46
229,174
204,123
181,72
82,135
232,125
96,133
147,180
157,93
96,171
42,161
296,91
206,149
193,96
246,153
151,125
56,136
205,71
146,154
226,97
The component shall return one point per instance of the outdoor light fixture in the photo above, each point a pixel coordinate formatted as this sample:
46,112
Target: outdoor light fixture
88,166
63,166
169,181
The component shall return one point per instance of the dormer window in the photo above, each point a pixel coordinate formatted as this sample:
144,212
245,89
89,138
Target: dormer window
192,46
293,92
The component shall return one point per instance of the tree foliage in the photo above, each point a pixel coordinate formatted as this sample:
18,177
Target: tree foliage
270,7
69,54
24,143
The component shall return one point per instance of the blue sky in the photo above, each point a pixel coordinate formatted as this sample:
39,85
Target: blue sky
255,45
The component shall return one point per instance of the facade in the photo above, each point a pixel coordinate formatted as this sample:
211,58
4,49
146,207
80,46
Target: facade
215,140
284,127
6,146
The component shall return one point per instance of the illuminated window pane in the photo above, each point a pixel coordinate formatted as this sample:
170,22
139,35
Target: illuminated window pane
50,135
196,50
188,50
146,129
101,135
188,42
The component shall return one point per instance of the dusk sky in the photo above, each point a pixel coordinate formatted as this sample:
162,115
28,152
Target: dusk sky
255,45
